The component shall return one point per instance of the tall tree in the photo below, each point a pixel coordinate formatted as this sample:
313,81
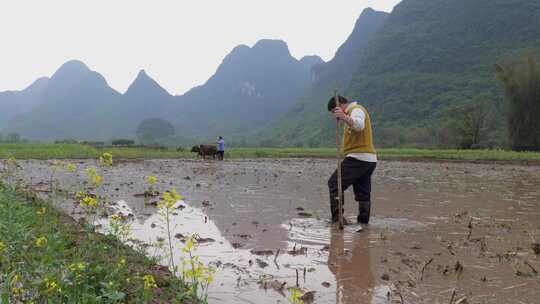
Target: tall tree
153,129
467,124
521,81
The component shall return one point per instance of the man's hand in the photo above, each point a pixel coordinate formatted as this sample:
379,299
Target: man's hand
340,115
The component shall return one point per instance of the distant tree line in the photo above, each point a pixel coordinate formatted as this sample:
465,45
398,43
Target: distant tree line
521,81
11,138
151,131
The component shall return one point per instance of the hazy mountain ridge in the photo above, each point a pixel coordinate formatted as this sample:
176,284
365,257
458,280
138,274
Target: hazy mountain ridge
145,98
76,103
13,103
251,87
408,67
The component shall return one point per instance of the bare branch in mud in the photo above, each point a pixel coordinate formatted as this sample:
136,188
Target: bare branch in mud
450,249
424,268
515,286
276,256
453,296
470,226
458,268
531,267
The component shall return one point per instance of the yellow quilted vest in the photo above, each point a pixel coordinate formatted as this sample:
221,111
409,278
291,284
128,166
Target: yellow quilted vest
358,141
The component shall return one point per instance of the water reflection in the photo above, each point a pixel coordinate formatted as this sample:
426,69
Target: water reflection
349,261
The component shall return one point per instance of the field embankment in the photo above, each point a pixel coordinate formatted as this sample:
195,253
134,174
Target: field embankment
77,151
47,256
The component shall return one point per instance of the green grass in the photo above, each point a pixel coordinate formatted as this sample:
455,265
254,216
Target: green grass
46,257
76,151
460,155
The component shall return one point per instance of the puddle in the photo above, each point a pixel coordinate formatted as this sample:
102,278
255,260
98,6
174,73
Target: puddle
427,220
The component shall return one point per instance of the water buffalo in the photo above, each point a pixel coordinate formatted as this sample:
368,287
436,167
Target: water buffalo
204,150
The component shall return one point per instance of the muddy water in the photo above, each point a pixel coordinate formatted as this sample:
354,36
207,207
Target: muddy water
439,230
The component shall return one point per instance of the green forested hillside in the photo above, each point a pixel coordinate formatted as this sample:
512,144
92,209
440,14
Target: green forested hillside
429,57
307,122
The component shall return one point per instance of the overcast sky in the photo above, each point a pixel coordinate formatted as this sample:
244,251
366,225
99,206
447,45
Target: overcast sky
179,43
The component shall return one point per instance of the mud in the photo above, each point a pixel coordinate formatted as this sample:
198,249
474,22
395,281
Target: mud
440,232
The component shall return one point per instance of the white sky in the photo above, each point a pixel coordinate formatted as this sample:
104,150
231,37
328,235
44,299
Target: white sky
179,43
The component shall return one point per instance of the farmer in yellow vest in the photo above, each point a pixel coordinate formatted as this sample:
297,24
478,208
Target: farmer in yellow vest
360,157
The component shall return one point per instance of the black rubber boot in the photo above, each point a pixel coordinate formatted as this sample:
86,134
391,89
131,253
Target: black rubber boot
364,210
334,209
335,215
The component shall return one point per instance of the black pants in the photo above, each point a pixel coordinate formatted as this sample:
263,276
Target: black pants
358,174
221,154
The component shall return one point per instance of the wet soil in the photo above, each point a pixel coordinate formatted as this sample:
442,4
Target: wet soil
440,232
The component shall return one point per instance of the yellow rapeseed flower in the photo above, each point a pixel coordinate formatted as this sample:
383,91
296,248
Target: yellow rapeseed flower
190,244
149,282
295,296
168,199
96,180
52,286
93,177
41,242
16,278
90,171
77,266
79,195
16,285
41,211
106,159
12,162
89,201
151,180
71,167
16,291
210,278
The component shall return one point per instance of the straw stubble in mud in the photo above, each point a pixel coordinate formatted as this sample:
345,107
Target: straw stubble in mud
437,227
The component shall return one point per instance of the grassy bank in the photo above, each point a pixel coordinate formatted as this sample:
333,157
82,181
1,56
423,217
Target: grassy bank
76,151
46,257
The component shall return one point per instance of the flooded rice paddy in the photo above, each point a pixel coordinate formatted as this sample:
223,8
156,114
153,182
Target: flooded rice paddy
440,232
